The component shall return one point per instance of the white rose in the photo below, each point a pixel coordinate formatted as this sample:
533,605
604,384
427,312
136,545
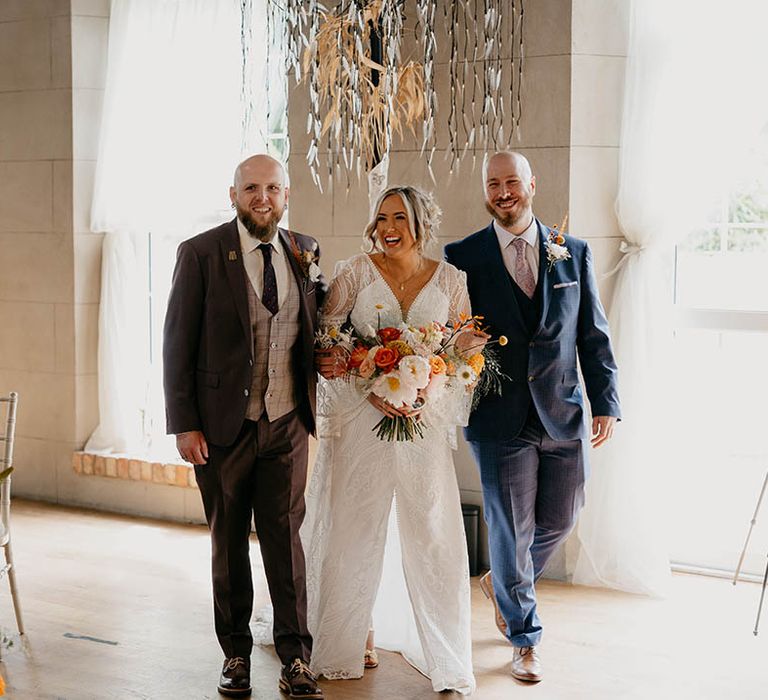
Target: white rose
417,368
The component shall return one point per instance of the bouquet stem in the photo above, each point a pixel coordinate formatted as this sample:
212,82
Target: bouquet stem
398,429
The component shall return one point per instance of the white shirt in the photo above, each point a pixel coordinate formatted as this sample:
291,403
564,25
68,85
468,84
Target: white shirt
253,259
509,252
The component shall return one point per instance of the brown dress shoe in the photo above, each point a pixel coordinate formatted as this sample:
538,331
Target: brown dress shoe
486,586
297,681
526,665
235,678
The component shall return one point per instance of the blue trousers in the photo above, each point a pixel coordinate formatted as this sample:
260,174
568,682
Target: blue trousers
533,489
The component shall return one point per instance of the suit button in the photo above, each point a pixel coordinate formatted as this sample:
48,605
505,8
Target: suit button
271,370
269,396
530,377
245,392
273,345
250,362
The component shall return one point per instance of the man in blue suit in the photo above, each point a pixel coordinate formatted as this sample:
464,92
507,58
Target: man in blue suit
537,287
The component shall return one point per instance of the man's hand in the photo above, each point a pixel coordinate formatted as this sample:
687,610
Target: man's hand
331,363
192,447
602,429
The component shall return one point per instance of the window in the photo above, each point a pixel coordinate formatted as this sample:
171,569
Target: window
721,345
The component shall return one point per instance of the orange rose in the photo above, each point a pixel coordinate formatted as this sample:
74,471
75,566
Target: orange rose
389,334
437,365
357,356
386,359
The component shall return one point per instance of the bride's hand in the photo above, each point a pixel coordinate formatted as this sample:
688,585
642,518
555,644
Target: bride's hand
330,363
389,410
384,406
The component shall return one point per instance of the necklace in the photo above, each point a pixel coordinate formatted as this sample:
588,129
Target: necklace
401,284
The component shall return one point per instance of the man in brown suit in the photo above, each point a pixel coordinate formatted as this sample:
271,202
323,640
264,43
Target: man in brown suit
240,398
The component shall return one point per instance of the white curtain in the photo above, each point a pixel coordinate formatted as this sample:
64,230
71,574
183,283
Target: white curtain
694,100
171,136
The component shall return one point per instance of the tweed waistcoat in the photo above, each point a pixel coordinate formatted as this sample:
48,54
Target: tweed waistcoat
273,382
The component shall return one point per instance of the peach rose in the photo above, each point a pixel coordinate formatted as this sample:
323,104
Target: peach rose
437,364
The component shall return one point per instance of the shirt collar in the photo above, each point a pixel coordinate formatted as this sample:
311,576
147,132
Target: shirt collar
248,243
530,235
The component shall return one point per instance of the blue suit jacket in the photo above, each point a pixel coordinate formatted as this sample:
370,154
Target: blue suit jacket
541,368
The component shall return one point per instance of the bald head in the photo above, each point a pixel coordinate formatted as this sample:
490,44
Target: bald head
509,188
509,159
259,163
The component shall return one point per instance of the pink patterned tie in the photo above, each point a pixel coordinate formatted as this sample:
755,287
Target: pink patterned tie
523,272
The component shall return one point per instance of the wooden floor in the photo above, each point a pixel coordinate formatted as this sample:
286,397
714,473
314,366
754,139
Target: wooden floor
117,607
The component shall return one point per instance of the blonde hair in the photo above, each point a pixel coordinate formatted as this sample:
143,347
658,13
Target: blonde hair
422,212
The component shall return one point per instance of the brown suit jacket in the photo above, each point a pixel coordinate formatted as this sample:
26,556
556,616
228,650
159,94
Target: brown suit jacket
207,345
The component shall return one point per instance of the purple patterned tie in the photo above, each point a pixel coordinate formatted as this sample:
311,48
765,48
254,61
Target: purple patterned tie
523,272
269,292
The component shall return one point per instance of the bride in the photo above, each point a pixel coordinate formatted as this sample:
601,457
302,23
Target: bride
383,533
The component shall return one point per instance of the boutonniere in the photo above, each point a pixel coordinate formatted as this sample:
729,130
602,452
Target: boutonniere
556,250
307,260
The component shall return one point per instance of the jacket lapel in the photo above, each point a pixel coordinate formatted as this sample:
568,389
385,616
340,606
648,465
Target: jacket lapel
307,324
500,277
293,263
235,269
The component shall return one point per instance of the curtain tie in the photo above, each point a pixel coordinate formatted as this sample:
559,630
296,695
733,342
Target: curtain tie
628,250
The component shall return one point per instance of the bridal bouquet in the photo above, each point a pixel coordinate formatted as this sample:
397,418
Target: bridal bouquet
414,368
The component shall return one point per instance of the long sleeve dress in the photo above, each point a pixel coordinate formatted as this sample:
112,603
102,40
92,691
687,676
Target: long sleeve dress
405,566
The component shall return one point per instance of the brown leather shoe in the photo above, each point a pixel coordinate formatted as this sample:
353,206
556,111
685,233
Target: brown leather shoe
235,681
486,586
297,681
526,665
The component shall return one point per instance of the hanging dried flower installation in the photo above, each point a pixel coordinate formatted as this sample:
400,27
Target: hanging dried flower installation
363,91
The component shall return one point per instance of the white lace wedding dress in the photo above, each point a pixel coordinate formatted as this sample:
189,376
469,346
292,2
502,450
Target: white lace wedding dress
365,492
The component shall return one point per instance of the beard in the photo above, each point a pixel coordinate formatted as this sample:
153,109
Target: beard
506,220
263,233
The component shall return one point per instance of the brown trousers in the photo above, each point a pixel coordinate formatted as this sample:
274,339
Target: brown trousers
262,474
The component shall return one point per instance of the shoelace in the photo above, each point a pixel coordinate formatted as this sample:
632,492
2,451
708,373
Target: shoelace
234,662
525,651
298,667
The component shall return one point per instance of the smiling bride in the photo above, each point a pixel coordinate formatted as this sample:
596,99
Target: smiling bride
401,569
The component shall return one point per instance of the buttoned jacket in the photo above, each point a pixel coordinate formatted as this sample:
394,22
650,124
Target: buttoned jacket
207,338
541,366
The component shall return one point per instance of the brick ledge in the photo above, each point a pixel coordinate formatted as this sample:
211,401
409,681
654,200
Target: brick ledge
127,469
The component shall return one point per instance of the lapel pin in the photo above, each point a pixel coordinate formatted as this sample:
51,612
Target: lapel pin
232,255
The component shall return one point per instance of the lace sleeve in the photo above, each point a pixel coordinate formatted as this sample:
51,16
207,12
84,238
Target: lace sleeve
341,295
458,296
454,407
338,400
